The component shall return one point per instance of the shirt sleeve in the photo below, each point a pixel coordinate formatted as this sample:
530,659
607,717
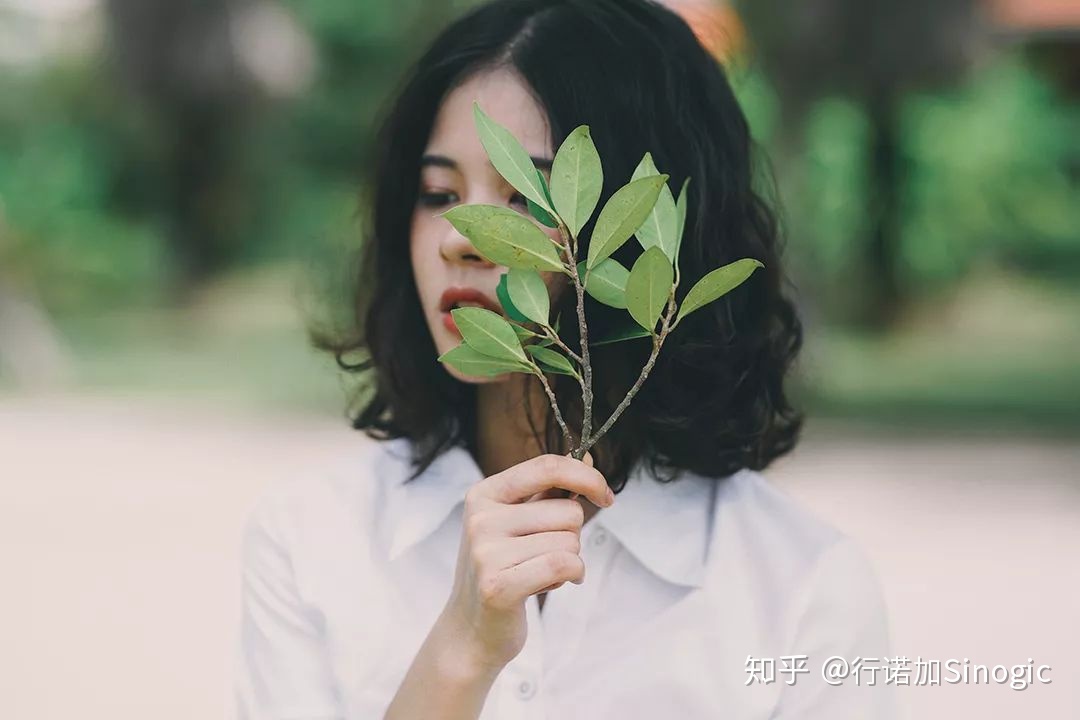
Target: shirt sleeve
843,615
281,668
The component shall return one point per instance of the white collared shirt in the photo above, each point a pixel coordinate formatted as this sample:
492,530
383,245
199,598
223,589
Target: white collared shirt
691,589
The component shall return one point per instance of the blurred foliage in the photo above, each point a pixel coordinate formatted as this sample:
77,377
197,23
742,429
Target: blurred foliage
64,157
88,173
994,168
875,53
990,167
992,179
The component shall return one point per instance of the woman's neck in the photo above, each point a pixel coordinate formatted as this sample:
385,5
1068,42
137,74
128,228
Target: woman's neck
503,435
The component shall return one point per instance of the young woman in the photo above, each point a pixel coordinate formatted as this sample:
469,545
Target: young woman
444,572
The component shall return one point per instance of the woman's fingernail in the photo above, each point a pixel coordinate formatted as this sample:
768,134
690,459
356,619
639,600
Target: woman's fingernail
610,496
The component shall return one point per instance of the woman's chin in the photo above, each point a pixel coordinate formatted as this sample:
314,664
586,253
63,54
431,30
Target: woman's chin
476,379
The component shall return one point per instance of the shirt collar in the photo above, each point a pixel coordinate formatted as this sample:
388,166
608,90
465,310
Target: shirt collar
665,526
415,509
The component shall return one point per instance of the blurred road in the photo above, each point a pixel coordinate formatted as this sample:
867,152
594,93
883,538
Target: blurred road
119,524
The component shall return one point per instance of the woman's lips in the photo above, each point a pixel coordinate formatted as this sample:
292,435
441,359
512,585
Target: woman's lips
449,324
463,297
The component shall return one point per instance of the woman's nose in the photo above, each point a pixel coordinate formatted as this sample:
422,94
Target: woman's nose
457,248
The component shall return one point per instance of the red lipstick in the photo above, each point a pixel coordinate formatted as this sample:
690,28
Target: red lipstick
455,297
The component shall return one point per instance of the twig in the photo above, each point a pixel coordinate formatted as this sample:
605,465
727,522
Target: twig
558,341
586,366
588,440
554,405
658,341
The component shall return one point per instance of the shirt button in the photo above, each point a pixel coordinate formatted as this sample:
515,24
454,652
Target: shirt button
526,689
599,538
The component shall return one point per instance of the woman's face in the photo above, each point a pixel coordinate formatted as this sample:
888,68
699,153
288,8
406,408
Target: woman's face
455,170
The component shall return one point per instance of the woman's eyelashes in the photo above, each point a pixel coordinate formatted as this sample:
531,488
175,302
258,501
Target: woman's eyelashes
435,199
438,199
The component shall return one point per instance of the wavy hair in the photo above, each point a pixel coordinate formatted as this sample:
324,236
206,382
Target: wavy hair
635,73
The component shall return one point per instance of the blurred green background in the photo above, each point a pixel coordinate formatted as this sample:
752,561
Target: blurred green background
179,184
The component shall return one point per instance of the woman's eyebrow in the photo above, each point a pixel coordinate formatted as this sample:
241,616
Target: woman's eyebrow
438,161
431,160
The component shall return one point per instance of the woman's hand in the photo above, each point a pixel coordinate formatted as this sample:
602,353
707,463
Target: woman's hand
516,541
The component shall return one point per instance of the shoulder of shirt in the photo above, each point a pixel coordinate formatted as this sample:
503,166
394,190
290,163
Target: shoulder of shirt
790,546
768,511
352,481
798,584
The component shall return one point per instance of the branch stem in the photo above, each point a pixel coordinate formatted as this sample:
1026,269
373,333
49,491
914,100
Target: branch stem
585,379
554,405
583,331
658,342
554,337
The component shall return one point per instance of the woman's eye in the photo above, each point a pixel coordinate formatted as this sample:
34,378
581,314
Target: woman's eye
519,199
437,199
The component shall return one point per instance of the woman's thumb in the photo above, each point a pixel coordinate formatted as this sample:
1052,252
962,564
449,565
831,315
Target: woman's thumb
587,459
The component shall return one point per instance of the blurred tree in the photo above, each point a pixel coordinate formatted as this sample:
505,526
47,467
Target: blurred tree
31,350
874,52
179,61
363,48
220,161
1051,31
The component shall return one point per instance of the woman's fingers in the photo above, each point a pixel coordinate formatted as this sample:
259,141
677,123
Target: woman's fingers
544,494
522,534
508,552
542,473
546,515
556,586
558,492
501,521
543,572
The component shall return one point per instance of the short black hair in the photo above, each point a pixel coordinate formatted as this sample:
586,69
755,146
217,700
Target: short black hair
636,74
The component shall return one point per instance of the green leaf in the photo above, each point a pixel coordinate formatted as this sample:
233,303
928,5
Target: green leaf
466,218
631,332
529,294
541,215
545,187
607,282
680,217
555,329
524,334
551,360
488,333
622,216
661,226
509,158
716,284
648,287
538,212
505,237
503,294
468,361
577,179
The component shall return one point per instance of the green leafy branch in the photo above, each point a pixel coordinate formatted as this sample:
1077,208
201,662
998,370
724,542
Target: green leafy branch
644,208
